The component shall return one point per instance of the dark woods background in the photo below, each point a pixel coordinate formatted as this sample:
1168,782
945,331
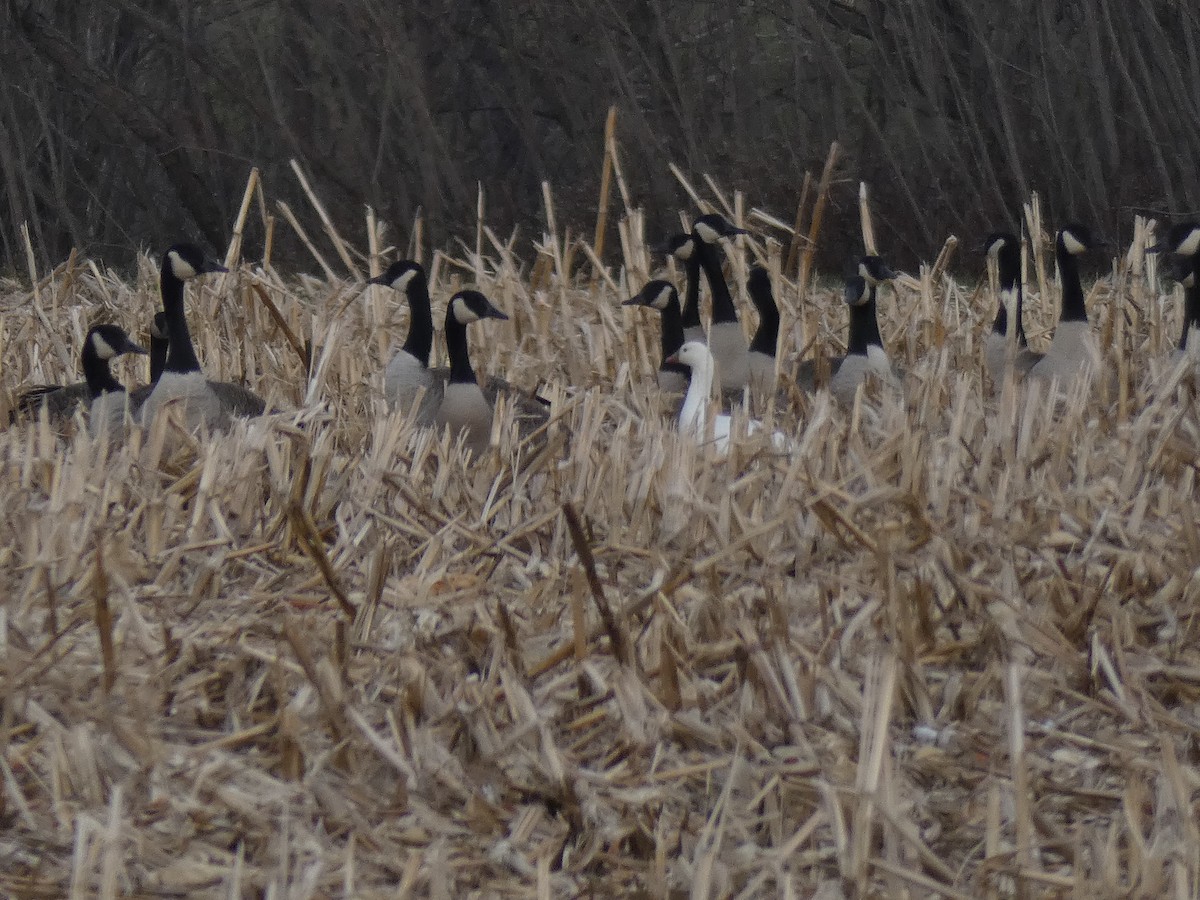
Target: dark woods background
130,123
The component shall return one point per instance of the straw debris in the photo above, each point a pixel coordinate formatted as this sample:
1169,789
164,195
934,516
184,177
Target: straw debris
948,648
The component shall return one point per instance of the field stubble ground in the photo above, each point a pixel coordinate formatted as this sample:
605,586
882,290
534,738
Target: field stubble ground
949,647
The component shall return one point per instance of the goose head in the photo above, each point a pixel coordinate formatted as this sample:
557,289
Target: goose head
856,292
186,261
997,242
657,294
712,227
399,274
1076,239
680,246
110,341
471,306
873,270
693,354
1182,240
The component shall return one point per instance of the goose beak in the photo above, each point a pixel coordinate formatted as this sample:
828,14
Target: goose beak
493,313
378,279
1162,246
639,300
673,359
131,347
209,266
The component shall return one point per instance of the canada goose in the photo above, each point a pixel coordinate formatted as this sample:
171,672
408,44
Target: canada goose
766,340
464,406
182,383
1073,349
662,296
408,373
693,415
1182,248
108,399
683,248
408,370
864,348
725,337
1005,248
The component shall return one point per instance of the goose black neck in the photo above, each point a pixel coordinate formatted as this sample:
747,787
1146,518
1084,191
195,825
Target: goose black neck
1191,304
672,336
419,342
96,372
691,297
1073,307
766,339
864,326
181,356
723,310
1009,260
456,346
158,357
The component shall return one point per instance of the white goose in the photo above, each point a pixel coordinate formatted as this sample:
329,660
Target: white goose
693,415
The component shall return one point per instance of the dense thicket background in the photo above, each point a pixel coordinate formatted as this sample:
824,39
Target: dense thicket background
127,123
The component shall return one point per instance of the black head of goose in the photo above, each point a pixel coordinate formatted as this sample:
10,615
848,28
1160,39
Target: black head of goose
1181,246
182,384
108,400
60,401
1005,248
765,344
464,407
725,337
865,354
408,373
683,248
661,295
1073,349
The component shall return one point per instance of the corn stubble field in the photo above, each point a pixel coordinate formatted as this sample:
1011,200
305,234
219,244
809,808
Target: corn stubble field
946,648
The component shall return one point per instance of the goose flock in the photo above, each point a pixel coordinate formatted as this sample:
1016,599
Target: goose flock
746,374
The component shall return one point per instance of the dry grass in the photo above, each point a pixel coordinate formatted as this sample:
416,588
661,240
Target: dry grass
948,649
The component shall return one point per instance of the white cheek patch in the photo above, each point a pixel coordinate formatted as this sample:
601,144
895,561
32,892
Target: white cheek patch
463,314
664,296
104,349
1073,244
707,233
685,251
180,267
401,283
864,272
1190,244
1190,281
